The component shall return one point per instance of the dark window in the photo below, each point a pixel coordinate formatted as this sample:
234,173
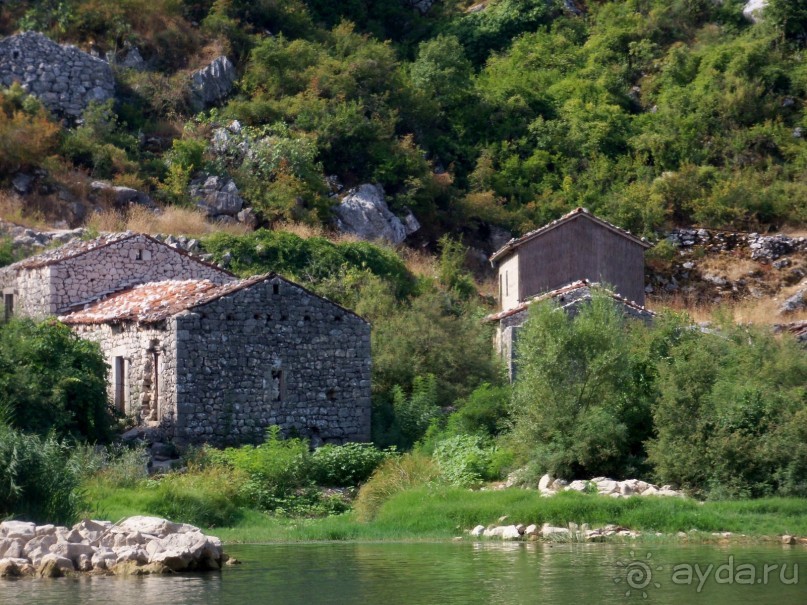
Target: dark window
306,318
331,394
119,383
9,306
275,288
156,384
337,318
139,255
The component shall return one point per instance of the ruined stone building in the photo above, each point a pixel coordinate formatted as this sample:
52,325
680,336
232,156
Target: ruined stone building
564,261
194,352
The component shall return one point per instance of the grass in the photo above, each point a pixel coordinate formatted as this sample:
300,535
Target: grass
173,220
440,513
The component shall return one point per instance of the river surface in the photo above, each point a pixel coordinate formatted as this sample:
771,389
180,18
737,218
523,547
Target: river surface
390,573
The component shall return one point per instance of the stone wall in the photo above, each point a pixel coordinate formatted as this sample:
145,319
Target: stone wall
149,390
272,354
64,78
30,289
129,262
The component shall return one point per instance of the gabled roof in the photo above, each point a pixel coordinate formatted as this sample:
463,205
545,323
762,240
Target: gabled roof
79,247
578,285
566,218
156,301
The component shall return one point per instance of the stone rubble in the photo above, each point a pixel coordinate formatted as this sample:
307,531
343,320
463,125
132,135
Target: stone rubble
64,78
549,486
550,533
217,196
133,546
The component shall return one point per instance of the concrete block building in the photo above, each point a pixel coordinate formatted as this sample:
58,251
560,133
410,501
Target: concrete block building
198,354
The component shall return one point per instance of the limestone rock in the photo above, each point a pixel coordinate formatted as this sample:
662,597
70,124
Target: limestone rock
120,196
797,302
753,10
549,531
54,566
545,481
64,78
211,85
364,213
17,529
477,531
217,196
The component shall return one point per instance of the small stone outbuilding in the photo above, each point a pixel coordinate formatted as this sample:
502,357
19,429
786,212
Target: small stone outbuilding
564,261
197,354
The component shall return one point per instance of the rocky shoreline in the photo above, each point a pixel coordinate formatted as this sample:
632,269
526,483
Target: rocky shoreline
135,546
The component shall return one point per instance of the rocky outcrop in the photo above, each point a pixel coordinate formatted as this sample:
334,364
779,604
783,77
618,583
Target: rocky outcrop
212,84
795,303
120,197
135,545
363,212
64,78
552,533
217,196
753,10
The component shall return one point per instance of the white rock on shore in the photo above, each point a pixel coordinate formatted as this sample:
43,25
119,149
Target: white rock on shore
135,545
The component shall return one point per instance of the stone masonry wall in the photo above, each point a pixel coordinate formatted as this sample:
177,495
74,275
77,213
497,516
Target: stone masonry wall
150,391
64,78
31,290
272,354
123,264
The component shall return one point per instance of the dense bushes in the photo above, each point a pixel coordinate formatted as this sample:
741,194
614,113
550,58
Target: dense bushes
718,412
39,478
51,380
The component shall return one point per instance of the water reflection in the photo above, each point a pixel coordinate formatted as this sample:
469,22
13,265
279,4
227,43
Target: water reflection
443,573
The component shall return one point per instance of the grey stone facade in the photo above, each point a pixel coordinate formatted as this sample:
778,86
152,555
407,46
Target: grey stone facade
64,78
198,355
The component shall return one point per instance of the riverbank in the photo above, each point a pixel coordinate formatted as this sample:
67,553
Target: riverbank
441,513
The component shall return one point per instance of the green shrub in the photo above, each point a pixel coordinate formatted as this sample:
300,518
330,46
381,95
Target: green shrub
38,479
484,411
346,465
273,470
397,474
51,380
465,460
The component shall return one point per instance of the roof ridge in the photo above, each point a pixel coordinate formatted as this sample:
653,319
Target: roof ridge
579,211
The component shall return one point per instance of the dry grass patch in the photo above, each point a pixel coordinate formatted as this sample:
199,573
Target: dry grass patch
762,311
14,210
731,267
172,220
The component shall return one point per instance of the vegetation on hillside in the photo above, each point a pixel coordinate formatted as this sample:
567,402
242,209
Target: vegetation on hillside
645,111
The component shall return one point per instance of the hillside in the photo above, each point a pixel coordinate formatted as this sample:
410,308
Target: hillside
407,120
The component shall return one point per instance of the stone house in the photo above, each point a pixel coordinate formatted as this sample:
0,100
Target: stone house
197,354
565,261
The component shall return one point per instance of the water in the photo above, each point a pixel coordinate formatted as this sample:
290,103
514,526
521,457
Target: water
454,573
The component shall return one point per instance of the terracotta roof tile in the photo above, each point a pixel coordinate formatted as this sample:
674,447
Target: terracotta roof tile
560,292
516,242
156,301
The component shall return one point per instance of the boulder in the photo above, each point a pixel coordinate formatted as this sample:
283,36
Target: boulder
794,304
545,481
212,84
548,531
179,551
477,531
363,212
22,183
104,558
788,540
578,485
17,529
9,568
217,196
248,217
72,551
64,78
54,566
510,532
121,197
753,10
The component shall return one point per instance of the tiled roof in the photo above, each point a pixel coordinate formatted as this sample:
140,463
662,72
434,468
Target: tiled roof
516,242
565,290
156,301
71,250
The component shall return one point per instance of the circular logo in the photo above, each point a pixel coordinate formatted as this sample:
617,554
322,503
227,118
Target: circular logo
637,575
